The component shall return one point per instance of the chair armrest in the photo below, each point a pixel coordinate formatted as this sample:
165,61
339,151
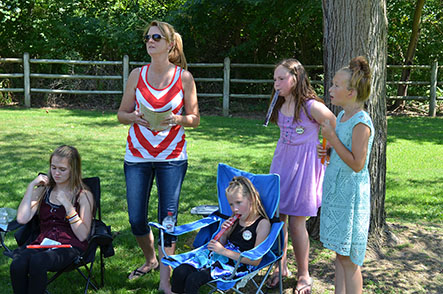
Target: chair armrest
101,235
261,249
12,226
264,247
186,228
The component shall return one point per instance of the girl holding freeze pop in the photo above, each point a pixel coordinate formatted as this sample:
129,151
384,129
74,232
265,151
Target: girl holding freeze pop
298,113
65,210
344,221
251,228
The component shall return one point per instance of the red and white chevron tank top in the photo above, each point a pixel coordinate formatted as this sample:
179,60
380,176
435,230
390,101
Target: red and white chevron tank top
144,144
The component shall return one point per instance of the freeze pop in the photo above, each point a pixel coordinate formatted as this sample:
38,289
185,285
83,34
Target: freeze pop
235,218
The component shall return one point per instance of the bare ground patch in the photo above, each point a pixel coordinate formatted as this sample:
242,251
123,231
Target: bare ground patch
410,260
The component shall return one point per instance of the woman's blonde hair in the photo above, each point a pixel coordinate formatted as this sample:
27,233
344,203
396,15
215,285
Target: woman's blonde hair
302,90
246,188
76,184
75,163
176,54
359,77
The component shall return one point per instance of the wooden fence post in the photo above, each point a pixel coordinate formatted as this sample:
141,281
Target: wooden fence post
27,79
125,71
226,78
433,96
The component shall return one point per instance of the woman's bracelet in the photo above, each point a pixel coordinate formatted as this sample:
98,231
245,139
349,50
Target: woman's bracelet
77,220
71,216
74,219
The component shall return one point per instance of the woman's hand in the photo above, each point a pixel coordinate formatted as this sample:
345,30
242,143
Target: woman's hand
138,119
29,204
63,198
40,180
170,121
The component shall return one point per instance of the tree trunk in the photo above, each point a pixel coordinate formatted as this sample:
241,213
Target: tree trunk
402,90
353,28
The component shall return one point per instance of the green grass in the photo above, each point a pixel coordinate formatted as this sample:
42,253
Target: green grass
414,180
27,137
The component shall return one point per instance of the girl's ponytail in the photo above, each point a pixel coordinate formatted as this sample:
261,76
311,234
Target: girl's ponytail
360,77
176,54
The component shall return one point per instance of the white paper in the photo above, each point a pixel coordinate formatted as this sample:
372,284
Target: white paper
154,118
47,241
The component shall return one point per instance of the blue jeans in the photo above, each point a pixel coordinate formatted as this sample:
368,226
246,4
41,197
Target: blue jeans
169,177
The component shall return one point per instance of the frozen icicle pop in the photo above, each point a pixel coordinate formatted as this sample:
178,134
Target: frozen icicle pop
271,108
236,217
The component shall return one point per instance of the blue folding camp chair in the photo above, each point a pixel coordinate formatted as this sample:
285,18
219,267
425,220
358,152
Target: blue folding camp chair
270,250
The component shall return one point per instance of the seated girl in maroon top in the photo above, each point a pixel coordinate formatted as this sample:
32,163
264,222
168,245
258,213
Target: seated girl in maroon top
55,226
65,210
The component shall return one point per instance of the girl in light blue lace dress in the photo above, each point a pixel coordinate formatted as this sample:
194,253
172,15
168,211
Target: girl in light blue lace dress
344,220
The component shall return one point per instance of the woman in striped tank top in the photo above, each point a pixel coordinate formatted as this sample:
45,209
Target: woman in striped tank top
162,85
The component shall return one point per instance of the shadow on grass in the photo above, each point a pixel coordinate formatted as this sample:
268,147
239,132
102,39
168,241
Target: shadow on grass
242,143
417,129
419,206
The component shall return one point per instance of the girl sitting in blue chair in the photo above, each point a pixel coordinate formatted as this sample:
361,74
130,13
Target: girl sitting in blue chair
251,228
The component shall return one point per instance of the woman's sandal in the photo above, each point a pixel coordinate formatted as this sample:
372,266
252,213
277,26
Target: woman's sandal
137,273
308,286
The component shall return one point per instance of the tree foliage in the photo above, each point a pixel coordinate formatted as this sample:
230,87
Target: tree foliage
261,31
81,29
400,18
248,31
429,49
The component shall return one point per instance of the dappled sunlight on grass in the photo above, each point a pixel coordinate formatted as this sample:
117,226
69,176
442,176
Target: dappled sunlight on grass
415,129
414,180
414,185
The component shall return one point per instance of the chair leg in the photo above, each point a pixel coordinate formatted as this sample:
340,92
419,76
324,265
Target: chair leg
89,279
102,269
7,252
54,276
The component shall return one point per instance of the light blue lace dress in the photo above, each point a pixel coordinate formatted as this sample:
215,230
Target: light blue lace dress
345,211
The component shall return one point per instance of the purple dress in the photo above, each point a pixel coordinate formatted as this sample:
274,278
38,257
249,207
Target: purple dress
296,161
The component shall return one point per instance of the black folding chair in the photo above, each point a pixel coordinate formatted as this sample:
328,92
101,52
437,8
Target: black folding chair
100,236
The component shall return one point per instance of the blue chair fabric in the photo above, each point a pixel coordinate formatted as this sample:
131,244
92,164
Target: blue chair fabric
268,186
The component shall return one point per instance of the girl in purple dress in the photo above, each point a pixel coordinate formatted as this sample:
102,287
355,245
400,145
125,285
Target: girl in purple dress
298,112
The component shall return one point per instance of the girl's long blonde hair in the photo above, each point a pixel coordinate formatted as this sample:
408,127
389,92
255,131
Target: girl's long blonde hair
176,54
246,188
76,184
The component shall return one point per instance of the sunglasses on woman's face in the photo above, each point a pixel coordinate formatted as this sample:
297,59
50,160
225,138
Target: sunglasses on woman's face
155,37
